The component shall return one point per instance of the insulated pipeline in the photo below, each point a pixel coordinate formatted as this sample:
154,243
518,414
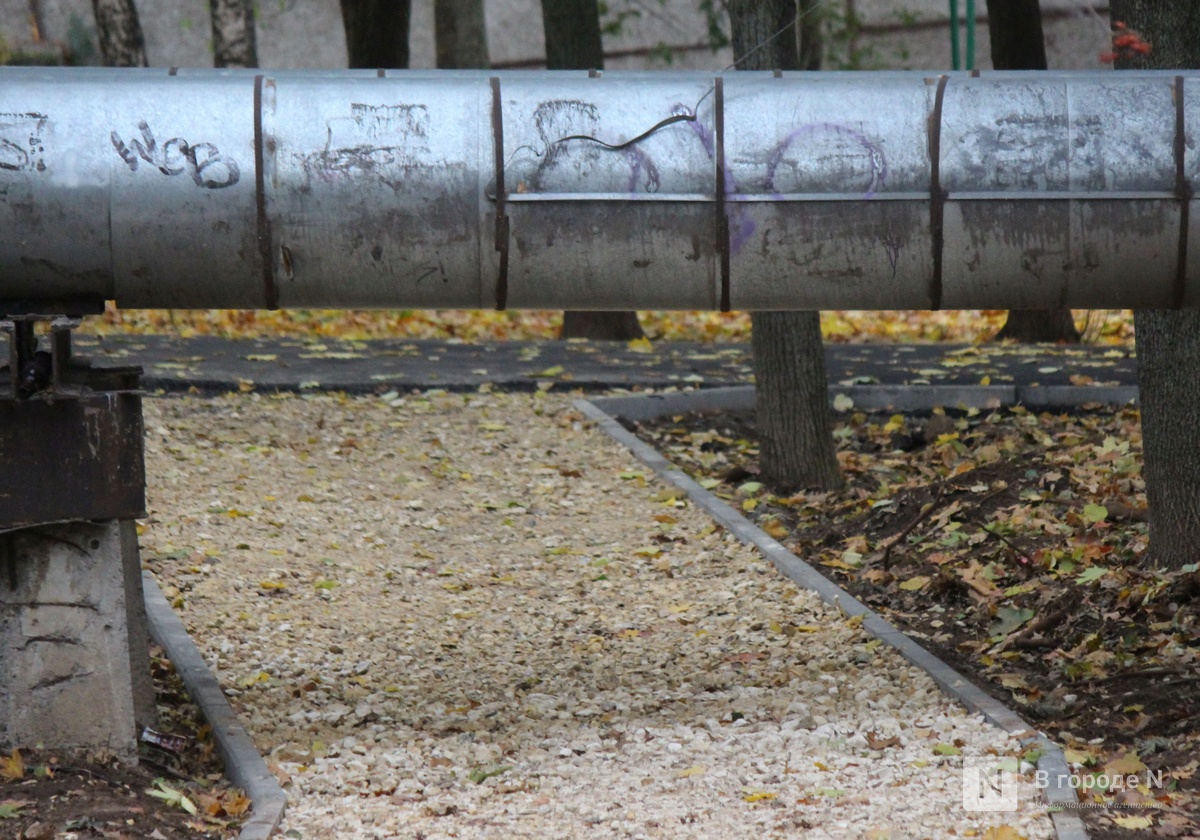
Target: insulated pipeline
752,191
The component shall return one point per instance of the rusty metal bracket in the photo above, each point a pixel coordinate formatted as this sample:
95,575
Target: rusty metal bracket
70,434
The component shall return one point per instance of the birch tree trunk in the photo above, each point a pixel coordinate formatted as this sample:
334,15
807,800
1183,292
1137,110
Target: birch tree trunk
122,43
234,43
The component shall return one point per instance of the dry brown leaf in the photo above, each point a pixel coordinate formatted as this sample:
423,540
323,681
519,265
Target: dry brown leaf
236,803
875,742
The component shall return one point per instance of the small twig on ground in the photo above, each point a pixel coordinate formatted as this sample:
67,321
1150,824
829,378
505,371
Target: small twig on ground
1124,675
1180,681
1046,622
1116,510
83,771
927,509
164,768
1021,554
1033,637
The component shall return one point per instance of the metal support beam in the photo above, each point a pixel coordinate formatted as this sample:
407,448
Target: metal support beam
418,189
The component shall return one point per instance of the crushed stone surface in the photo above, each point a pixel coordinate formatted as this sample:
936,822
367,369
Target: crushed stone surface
474,615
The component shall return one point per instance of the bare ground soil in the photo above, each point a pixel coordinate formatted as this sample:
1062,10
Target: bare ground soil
176,791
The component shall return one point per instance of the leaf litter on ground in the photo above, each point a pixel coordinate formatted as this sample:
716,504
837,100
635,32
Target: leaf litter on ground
1014,545
962,325
176,791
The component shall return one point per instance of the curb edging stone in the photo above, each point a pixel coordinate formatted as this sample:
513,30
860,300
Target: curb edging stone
243,764
638,407
1060,797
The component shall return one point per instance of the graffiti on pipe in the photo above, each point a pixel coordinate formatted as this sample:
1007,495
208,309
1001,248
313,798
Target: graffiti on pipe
205,164
741,225
21,144
388,142
838,148
564,127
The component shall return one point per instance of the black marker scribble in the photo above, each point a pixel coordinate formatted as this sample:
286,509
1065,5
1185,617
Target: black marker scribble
388,142
207,167
21,142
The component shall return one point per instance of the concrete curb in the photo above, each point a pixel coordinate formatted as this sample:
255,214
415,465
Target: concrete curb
243,765
877,398
1059,795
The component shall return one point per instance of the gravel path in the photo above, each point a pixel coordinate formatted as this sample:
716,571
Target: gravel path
472,615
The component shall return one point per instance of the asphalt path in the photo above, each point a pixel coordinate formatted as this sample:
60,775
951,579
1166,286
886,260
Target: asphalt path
215,364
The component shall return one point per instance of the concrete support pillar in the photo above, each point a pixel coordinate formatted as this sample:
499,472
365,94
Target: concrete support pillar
74,670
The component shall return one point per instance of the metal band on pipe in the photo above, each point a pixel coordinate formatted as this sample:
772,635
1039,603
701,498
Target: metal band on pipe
1183,192
501,195
270,290
937,196
722,232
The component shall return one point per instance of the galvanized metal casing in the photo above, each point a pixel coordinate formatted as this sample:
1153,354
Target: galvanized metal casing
829,186
663,190
1061,190
600,228
374,185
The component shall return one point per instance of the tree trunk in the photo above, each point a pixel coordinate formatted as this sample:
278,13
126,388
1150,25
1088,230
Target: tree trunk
1168,341
1034,325
572,29
234,43
810,39
120,33
377,33
573,42
795,435
792,412
1015,31
461,34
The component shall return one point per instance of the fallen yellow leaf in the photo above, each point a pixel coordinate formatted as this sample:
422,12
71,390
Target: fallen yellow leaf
12,767
1003,832
1133,822
1126,765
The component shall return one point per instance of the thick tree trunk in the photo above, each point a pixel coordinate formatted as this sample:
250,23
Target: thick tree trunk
1015,31
120,33
234,43
461,34
572,29
1168,342
573,42
810,39
795,434
1045,325
377,33
789,363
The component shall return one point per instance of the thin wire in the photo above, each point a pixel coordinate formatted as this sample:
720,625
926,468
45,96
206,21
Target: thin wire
686,116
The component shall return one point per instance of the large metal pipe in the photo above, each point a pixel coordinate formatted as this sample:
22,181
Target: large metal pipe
616,190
